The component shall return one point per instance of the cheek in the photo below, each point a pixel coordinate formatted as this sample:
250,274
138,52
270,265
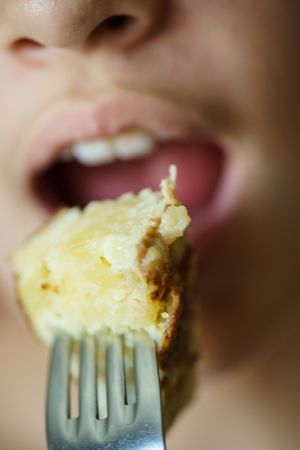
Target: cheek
26,89
24,92
17,101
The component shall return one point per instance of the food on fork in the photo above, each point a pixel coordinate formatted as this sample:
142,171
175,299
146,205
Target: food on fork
122,264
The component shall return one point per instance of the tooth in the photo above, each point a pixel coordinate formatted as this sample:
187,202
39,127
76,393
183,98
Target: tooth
132,144
93,153
102,151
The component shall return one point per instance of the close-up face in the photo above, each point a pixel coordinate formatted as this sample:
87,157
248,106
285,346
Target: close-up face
99,97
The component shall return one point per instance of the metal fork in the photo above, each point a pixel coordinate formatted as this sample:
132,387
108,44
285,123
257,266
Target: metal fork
119,401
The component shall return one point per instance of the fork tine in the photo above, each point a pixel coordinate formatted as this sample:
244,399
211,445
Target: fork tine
87,386
137,425
146,375
115,382
58,403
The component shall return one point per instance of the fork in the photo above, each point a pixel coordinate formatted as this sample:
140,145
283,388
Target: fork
119,395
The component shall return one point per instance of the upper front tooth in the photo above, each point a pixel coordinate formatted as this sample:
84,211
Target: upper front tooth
127,145
94,153
132,144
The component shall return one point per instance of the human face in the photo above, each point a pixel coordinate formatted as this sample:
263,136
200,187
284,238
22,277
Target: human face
218,80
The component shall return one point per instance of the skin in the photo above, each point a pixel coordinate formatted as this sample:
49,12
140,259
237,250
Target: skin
237,68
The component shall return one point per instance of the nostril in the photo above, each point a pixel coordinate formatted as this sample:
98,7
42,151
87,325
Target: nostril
26,48
121,29
117,23
24,44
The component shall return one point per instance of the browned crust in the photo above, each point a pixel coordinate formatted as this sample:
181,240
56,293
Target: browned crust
156,276
181,301
180,352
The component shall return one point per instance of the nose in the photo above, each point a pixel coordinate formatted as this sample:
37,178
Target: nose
78,23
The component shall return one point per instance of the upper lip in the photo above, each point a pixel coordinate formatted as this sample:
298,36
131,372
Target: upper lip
75,121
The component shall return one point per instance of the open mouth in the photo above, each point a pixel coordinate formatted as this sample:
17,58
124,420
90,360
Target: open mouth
125,142
105,168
